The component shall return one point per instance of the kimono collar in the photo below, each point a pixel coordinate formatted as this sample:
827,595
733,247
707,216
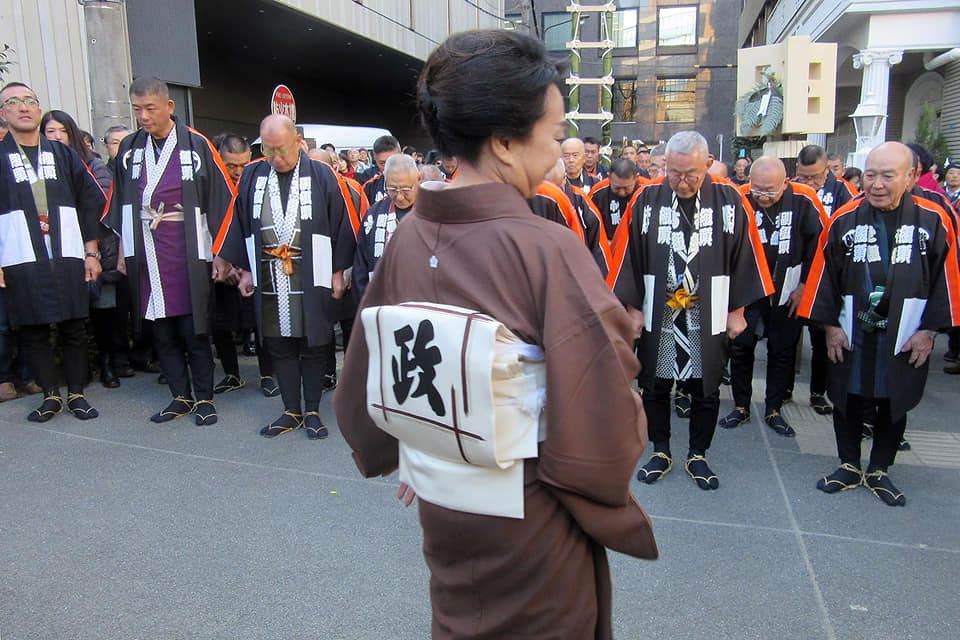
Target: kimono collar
438,202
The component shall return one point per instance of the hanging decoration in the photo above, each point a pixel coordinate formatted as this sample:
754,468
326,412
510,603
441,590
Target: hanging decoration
760,109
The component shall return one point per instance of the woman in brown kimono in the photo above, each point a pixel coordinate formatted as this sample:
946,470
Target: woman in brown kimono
492,99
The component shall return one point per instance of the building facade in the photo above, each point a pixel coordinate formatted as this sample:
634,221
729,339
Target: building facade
895,59
674,65
351,62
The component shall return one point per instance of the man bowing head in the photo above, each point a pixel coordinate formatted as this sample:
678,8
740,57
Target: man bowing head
883,281
292,237
686,264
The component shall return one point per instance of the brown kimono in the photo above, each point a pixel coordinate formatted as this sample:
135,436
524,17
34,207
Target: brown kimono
546,575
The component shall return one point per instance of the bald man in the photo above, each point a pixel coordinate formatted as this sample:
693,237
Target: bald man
789,219
884,281
574,155
556,199
291,235
717,170
431,172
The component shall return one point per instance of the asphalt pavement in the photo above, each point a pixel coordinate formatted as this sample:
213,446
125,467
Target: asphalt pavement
117,528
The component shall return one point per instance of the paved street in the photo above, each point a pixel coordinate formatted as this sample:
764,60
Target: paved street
118,528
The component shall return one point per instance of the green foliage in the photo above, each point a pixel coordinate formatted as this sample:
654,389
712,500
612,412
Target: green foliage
5,62
748,106
933,141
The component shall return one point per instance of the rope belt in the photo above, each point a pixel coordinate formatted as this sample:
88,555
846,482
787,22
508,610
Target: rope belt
680,299
156,216
286,254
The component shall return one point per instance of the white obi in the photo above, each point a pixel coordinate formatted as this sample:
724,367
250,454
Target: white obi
463,395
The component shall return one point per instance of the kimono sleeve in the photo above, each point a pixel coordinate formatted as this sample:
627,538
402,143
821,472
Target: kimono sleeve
112,217
942,310
595,235
624,278
217,192
344,240
812,223
749,275
233,248
90,200
588,342
375,452
823,295
362,260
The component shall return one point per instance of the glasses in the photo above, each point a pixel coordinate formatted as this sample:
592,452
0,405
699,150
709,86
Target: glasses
764,194
17,101
269,153
689,178
395,190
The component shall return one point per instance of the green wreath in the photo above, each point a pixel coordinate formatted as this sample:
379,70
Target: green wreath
752,111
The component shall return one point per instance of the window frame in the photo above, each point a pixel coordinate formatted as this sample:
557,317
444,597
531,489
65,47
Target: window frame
614,90
659,93
630,48
544,26
663,49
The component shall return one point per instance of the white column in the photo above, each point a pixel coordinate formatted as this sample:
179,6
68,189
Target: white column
870,116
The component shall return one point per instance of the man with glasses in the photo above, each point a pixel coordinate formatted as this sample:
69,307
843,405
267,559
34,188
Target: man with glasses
658,162
111,142
291,235
402,179
812,170
171,204
50,208
789,220
690,262
573,153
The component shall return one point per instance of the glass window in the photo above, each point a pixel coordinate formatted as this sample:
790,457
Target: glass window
624,103
677,27
625,28
556,30
676,99
511,20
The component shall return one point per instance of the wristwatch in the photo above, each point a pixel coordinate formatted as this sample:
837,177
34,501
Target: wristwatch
90,254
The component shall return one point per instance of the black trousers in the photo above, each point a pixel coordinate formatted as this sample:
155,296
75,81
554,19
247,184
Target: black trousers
110,333
142,350
296,364
780,367
73,347
818,361
848,427
703,414
227,353
176,344
345,310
